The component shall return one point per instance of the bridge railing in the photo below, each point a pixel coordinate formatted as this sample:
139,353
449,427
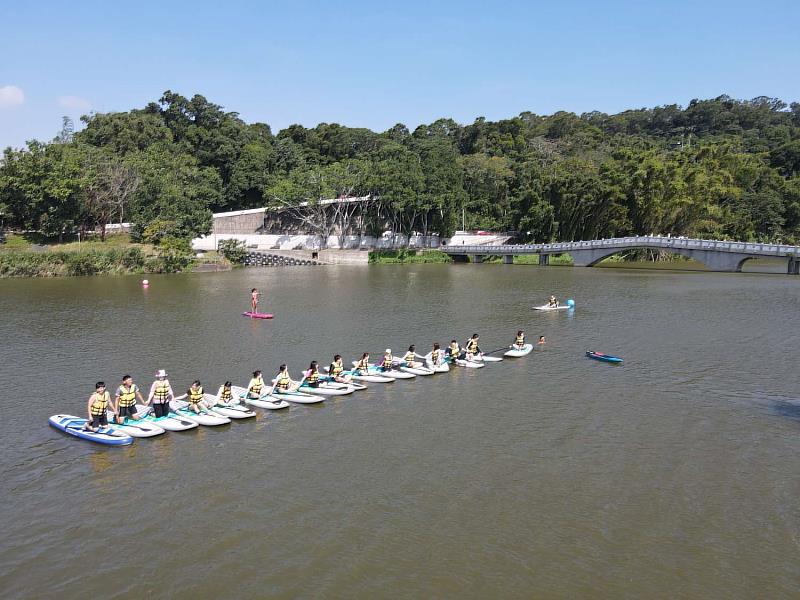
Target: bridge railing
630,242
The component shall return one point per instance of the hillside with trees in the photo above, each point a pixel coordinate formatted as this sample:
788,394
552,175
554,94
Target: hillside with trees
720,168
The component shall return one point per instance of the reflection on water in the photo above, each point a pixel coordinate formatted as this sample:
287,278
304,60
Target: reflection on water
553,475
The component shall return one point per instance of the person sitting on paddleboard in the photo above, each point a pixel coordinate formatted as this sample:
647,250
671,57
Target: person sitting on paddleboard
254,300
225,394
552,303
336,370
96,407
125,400
283,381
255,387
362,366
453,351
160,394
472,349
312,376
541,340
519,342
409,357
387,361
436,355
195,397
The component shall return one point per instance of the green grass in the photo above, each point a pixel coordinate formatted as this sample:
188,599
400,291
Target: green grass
19,257
384,257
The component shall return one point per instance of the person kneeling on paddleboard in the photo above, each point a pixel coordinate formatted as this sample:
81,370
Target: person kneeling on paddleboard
255,387
283,381
311,377
387,362
125,400
336,369
409,357
96,407
195,397
160,394
519,342
473,351
362,366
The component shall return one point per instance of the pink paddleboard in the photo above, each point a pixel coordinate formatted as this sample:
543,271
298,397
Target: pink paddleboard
253,315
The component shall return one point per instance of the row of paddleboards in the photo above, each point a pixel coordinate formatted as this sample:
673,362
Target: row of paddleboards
181,418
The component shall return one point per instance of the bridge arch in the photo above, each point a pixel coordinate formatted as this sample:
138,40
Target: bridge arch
712,260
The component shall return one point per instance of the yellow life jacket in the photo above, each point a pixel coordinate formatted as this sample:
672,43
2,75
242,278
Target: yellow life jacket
127,397
226,396
99,404
161,393
195,395
313,377
363,364
409,357
256,383
387,362
472,346
454,349
283,381
435,356
336,368
520,341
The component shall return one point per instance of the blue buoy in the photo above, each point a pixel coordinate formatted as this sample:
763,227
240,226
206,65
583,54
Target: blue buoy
571,303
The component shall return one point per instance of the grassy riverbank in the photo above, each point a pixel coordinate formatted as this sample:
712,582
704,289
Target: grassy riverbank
25,257
384,257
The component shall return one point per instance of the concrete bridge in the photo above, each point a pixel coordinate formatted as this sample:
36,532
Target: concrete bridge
716,255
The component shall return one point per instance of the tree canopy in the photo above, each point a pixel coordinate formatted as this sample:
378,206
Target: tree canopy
717,168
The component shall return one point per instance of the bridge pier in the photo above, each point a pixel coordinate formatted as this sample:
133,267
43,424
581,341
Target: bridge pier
476,258
508,259
544,259
794,266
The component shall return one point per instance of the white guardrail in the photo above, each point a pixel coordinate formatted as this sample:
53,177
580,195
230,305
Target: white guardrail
629,242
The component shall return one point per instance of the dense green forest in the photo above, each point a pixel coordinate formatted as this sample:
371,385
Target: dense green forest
720,168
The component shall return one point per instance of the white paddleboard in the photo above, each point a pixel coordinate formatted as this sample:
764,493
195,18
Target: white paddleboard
517,352
264,402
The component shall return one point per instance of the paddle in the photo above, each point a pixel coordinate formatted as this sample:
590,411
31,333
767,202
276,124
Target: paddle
498,350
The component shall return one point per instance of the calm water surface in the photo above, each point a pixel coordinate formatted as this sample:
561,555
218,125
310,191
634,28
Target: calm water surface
675,475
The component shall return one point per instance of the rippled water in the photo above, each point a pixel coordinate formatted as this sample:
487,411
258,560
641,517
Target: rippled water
675,475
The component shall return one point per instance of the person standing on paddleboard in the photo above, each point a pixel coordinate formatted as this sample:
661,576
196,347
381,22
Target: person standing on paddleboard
125,400
96,407
160,394
254,294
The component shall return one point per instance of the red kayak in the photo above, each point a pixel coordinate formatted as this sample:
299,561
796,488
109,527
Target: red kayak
253,315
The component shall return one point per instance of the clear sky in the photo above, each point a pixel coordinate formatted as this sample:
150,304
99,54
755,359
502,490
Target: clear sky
374,64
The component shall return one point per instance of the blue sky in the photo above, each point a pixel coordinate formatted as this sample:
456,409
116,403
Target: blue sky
372,65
